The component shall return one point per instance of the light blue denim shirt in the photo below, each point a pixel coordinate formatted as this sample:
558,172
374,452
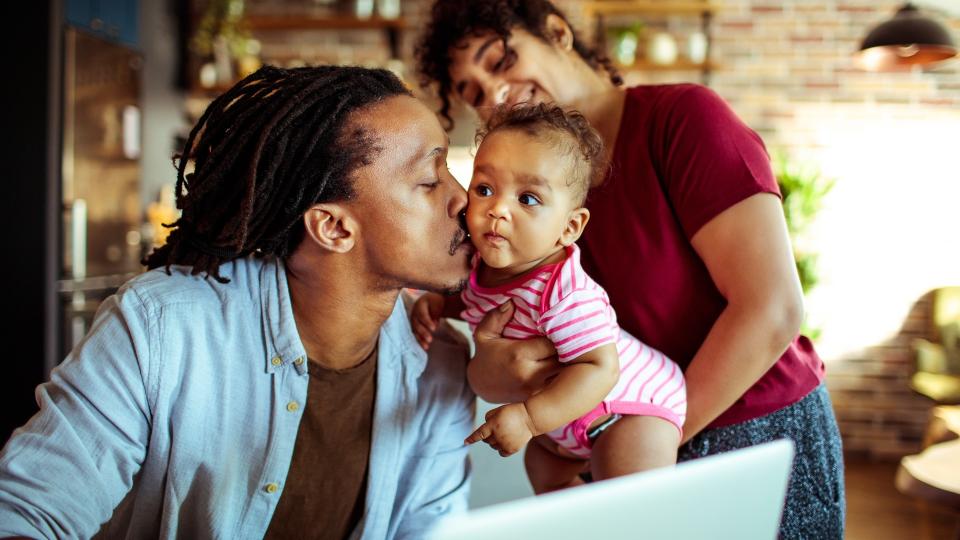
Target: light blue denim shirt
170,419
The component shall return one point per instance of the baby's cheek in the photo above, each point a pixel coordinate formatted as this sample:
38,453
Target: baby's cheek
474,219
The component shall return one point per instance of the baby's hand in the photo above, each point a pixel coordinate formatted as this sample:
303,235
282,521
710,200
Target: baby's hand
508,429
425,316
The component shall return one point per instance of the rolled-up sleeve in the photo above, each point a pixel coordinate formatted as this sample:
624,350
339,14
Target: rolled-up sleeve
65,471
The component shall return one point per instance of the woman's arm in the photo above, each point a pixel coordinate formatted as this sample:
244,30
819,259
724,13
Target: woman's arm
746,249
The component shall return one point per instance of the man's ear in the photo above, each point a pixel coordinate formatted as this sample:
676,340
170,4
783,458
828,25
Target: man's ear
576,221
559,31
331,227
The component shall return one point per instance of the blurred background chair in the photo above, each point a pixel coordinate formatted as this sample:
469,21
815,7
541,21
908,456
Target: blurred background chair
938,359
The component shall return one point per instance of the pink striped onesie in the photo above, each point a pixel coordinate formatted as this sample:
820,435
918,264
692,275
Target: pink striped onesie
561,302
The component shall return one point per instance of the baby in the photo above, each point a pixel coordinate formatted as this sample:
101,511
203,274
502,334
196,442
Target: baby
616,402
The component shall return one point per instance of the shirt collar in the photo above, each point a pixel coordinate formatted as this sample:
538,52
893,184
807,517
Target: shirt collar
397,343
277,317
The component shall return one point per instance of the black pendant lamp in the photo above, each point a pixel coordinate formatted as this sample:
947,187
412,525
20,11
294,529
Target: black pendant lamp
906,40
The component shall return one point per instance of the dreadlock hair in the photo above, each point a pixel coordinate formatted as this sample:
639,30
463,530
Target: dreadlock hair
567,131
452,21
263,153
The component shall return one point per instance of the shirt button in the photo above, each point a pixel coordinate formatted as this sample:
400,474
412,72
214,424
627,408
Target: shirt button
271,487
298,361
293,406
276,361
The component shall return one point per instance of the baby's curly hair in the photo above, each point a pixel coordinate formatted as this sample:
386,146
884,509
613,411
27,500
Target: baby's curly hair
568,131
453,21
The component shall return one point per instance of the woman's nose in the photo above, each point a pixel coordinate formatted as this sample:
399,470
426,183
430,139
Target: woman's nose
496,93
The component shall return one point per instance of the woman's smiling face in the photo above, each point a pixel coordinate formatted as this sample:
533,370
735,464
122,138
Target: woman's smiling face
486,72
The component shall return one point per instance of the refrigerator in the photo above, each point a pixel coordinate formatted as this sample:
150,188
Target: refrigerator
101,213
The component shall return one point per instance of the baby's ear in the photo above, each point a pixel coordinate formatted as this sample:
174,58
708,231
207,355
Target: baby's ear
576,221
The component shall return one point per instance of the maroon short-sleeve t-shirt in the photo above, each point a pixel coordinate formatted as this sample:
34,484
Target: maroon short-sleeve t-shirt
682,157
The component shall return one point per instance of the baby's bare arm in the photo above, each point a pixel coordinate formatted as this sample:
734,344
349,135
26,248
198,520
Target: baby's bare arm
579,386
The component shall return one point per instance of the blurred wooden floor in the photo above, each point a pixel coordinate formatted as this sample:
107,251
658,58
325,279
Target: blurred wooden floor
877,511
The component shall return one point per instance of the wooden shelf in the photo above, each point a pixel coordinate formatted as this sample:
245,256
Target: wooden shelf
391,28
306,22
679,65
666,7
647,7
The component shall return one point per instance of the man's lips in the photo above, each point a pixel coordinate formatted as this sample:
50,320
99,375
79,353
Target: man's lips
460,240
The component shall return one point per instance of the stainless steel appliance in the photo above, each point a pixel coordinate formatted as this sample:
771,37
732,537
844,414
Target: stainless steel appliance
100,227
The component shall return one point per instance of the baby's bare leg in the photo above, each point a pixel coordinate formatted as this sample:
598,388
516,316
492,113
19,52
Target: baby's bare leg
634,444
549,471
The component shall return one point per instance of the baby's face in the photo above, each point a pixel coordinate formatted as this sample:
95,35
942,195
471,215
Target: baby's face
520,203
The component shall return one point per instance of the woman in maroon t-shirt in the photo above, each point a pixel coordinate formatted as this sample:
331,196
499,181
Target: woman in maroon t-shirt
686,234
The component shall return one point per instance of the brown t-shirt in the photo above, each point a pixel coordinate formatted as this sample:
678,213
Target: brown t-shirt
323,496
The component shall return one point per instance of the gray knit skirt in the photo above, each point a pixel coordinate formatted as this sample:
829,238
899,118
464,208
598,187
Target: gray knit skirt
815,504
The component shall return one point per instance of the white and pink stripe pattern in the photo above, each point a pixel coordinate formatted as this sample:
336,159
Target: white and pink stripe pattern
560,301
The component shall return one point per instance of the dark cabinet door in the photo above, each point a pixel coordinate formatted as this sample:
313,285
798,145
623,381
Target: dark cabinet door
120,18
80,13
115,20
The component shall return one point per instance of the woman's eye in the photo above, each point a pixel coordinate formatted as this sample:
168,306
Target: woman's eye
483,191
529,200
506,61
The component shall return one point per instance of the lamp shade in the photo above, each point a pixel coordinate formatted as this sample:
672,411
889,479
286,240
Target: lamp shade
906,40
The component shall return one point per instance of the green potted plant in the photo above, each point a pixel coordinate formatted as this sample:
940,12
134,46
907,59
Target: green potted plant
803,188
222,37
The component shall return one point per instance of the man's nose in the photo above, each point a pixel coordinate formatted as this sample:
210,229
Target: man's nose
458,197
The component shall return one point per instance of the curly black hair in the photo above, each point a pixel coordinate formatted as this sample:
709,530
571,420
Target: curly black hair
262,154
452,21
567,130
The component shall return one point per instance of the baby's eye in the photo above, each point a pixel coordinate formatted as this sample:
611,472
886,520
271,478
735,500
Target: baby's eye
483,190
529,200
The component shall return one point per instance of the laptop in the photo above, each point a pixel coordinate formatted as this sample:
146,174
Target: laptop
737,495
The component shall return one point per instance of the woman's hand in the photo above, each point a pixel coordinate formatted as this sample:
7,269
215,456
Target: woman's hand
507,370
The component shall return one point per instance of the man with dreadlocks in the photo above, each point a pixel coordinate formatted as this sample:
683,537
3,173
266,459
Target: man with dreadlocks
262,379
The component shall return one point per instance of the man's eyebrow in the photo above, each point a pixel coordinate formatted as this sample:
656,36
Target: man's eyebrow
440,149
436,152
